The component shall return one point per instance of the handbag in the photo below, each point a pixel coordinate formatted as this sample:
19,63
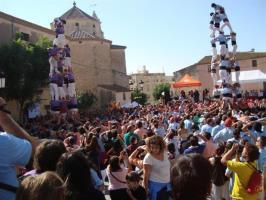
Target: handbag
255,181
117,178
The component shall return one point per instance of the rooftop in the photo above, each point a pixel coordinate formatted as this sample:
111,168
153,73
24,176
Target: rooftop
115,88
79,34
75,12
239,56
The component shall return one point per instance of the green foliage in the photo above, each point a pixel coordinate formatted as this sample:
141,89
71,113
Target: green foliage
157,92
26,68
139,97
44,42
86,100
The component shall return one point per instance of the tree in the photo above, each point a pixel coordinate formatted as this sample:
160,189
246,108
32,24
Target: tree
139,97
159,89
26,69
86,100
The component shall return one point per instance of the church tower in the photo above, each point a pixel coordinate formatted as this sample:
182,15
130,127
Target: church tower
79,24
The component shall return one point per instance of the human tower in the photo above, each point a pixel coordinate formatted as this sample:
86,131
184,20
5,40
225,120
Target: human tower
227,59
61,77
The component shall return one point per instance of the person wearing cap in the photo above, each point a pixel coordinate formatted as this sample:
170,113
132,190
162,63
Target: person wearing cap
135,191
226,133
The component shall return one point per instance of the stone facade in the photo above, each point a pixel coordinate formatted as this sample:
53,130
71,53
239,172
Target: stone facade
150,80
201,70
95,60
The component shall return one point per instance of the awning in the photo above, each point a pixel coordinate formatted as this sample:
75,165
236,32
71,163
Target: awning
133,104
251,76
186,81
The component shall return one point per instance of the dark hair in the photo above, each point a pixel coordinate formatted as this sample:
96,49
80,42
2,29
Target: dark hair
171,148
263,141
191,178
220,149
82,130
252,152
139,124
132,140
257,127
133,177
149,132
114,133
236,133
194,141
47,155
207,135
75,170
114,164
93,145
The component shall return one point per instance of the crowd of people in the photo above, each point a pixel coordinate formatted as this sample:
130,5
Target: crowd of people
182,150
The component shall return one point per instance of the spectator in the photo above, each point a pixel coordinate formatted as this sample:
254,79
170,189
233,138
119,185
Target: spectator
130,133
194,147
16,148
135,191
46,157
74,169
156,167
191,178
220,183
243,170
117,177
48,185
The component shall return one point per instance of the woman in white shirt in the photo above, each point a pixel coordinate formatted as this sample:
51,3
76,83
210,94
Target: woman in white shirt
156,167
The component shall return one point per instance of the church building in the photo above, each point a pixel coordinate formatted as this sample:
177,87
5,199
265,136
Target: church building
99,66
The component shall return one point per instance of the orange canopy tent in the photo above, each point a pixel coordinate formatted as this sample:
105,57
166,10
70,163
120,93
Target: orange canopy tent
186,81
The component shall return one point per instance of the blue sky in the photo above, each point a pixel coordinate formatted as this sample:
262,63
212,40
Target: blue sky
161,34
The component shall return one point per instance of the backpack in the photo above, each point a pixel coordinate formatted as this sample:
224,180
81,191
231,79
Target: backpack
255,181
218,172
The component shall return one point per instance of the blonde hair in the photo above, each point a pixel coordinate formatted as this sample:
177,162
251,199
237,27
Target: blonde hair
47,185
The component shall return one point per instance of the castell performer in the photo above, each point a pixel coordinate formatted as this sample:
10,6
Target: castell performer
214,23
216,93
223,71
214,65
222,39
237,91
62,81
222,15
227,92
237,70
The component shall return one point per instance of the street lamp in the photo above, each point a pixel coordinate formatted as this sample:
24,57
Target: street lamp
2,80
